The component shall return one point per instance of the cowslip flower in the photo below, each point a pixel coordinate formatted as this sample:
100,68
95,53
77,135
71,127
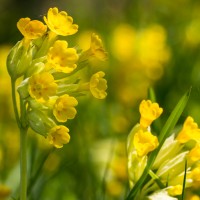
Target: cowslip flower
175,164
194,154
149,112
47,89
144,142
190,131
175,190
60,23
64,108
98,85
62,58
58,136
42,86
31,29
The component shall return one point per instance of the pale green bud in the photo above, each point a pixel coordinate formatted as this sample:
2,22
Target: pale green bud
40,122
18,60
36,67
23,89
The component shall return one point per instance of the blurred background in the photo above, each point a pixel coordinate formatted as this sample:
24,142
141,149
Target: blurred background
150,44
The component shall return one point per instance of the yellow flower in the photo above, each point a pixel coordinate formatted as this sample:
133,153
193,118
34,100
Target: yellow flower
4,191
194,154
60,23
194,197
31,29
96,47
98,85
195,176
190,131
144,142
61,58
42,86
175,190
149,112
58,136
64,108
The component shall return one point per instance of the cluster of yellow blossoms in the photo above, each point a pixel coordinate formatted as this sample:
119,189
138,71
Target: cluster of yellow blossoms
178,159
50,74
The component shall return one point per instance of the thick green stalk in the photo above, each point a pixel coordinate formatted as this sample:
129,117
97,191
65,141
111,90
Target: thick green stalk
21,122
23,163
15,103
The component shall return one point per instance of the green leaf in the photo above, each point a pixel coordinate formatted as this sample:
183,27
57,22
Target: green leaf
165,132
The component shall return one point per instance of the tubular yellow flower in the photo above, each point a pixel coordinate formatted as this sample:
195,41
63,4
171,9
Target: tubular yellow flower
61,58
96,47
144,142
60,23
31,29
190,131
149,112
42,86
195,175
175,190
4,191
58,136
64,108
194,154
98,85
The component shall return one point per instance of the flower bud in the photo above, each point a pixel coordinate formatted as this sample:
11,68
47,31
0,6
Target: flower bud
40,122
18,60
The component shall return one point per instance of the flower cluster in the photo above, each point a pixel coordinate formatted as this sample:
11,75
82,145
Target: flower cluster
176,166
51,74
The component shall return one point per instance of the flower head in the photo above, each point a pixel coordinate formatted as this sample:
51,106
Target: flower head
149,112
98,85
190,131
58,136
61,58
42,86
64,108
31,29
144,142
60,23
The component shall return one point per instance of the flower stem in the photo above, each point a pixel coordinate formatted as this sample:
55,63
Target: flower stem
15,103
23,163
23,142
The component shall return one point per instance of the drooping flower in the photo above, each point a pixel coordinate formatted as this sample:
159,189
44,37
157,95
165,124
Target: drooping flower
31,29
58,136
42,86
61,58
96,47
144,142
149,112
98,85
190,131
64,108
60,23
